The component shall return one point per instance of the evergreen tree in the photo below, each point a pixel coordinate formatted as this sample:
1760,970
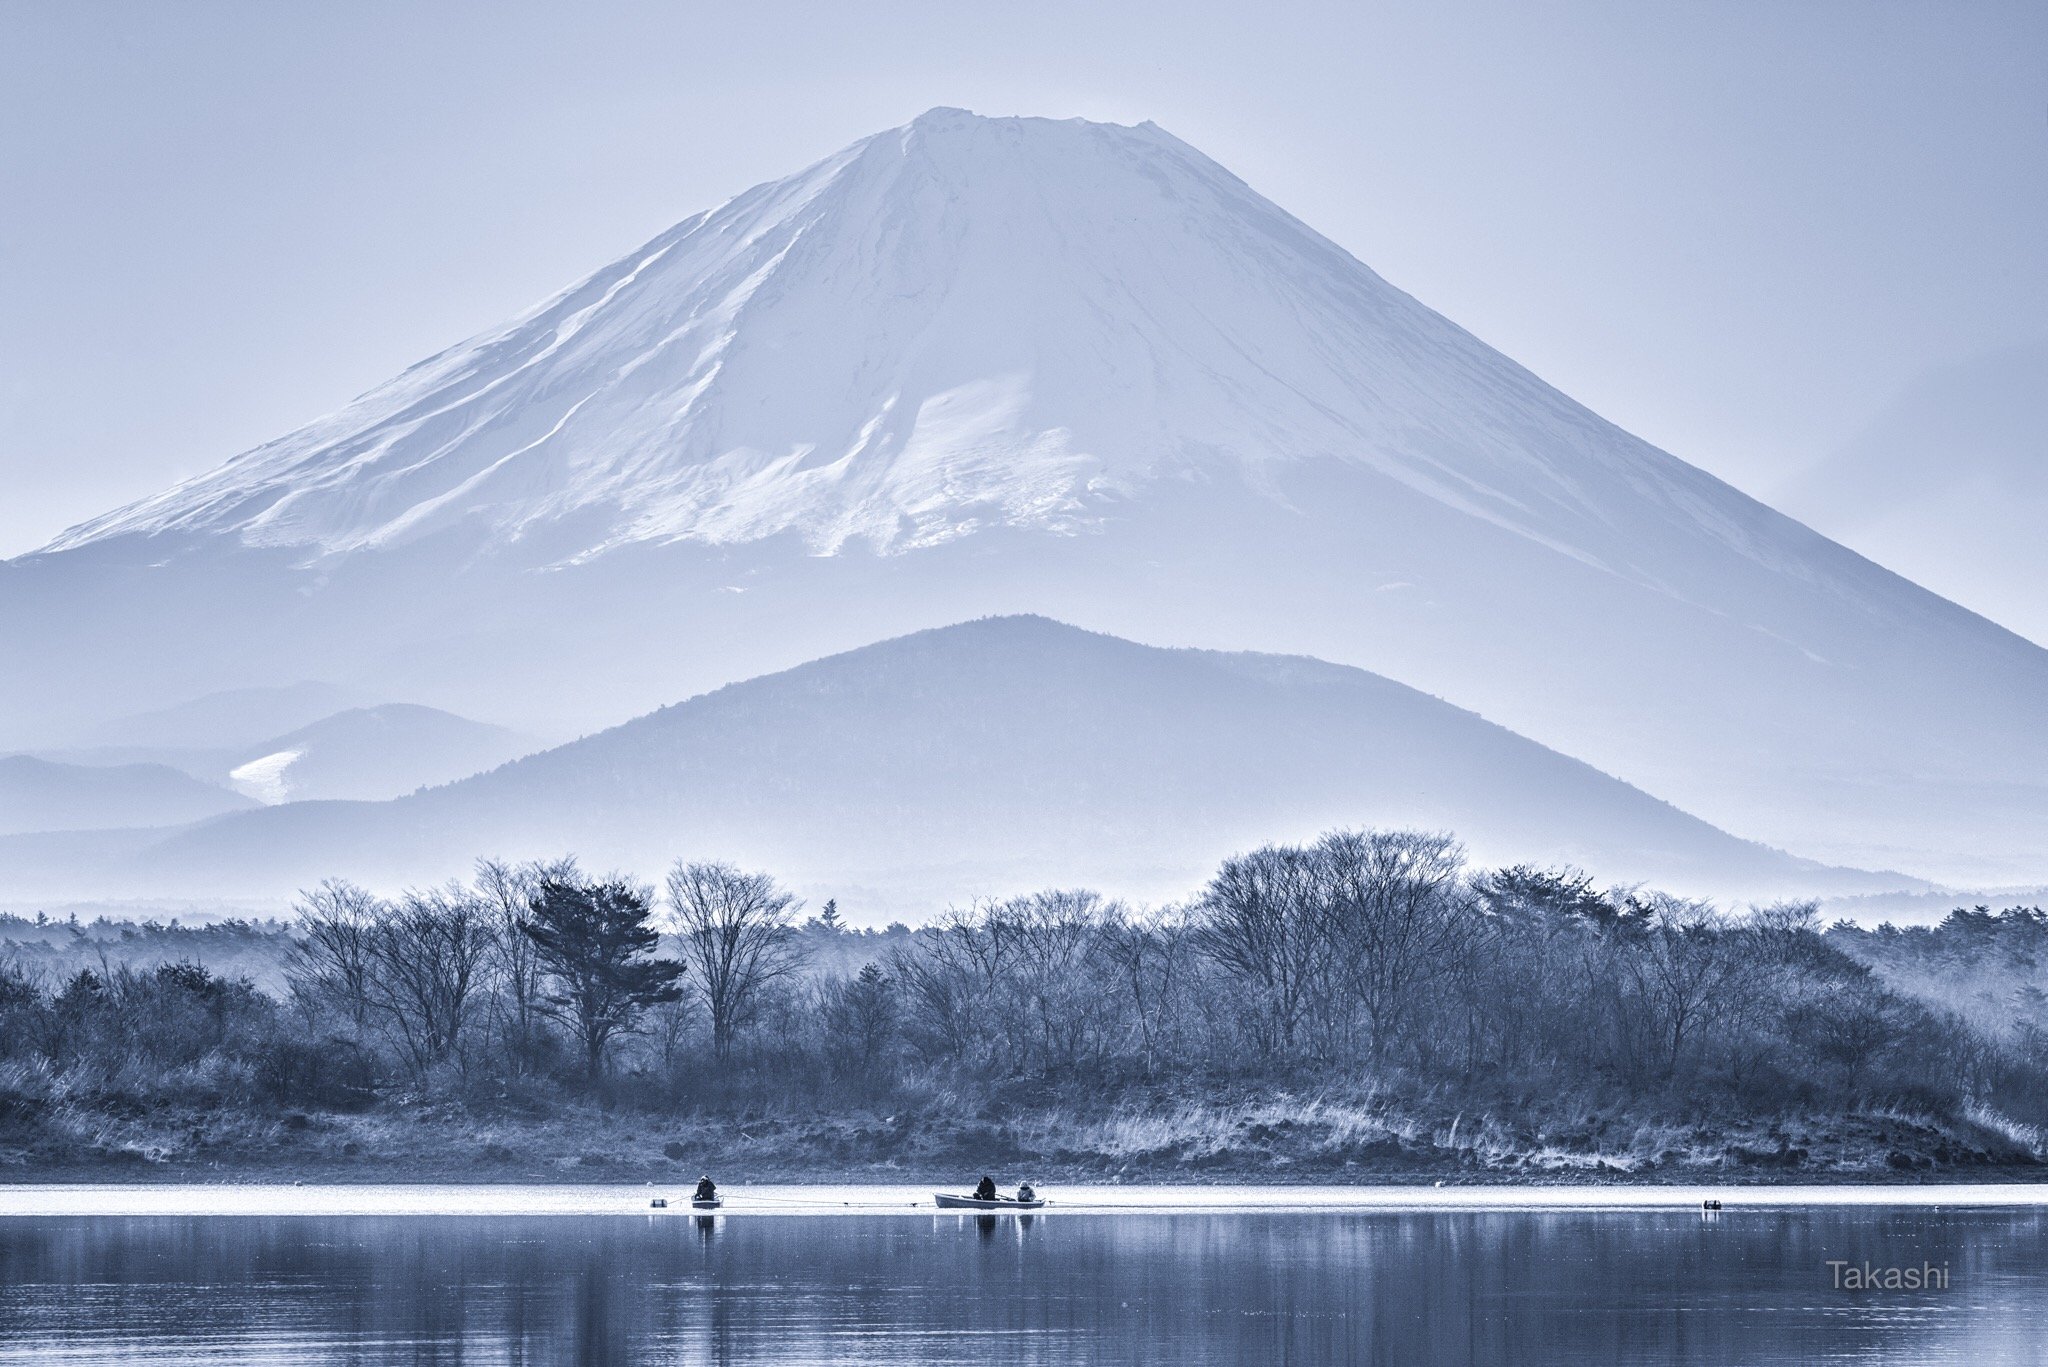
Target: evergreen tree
596,943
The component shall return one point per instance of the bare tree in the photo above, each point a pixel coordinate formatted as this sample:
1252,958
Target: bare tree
948,979
1069,979
735,932
1682,968
1253,921
1150,961
1850,1025
24,1023
668,1027
860,1021
428,953
1390,903
333,960
1021,985
508,889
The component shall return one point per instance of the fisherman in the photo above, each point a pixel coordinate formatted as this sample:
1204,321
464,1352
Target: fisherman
707,1190
985,1190
1025,1192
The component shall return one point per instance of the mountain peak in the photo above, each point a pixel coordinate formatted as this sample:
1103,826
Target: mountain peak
963,324
978,365
941,120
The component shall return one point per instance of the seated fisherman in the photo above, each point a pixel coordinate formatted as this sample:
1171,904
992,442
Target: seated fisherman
707,1190
985,1190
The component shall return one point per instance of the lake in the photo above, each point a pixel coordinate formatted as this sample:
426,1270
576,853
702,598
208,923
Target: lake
1244,1275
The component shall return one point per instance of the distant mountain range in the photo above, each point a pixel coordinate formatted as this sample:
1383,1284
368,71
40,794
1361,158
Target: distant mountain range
229,720
991,366
990,757
365,753
371,753
42,795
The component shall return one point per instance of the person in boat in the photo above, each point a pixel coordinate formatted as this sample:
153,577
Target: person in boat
985,1190
707,1190
1026,1192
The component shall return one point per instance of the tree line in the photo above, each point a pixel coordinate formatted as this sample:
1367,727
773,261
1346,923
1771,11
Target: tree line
1364,959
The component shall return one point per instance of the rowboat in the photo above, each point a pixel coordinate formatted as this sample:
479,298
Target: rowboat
713,1204
948,1201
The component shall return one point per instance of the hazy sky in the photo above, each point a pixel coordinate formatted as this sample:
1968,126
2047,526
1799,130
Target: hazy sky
1739,229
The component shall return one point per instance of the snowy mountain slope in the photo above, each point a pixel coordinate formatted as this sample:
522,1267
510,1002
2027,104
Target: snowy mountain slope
370,753
977,365
1000,755
961,323
358,753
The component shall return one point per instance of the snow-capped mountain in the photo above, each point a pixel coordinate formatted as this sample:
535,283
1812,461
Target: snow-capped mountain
961,324
974,366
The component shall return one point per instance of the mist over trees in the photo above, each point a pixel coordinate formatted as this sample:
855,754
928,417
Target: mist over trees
1366,963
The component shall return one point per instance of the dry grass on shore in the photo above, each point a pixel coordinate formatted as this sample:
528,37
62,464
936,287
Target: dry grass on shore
1369,1137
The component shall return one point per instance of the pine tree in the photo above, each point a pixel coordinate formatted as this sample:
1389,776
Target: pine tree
595,940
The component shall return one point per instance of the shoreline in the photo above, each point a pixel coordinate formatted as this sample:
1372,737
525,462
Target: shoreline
1280,1141
577,1173
255,1200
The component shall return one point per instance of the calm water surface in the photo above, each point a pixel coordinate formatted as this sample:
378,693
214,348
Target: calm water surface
1394,1287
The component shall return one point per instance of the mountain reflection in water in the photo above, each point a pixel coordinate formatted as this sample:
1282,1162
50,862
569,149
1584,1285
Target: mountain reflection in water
1564,1287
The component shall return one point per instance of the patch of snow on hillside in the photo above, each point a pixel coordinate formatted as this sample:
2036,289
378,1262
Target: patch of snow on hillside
265,778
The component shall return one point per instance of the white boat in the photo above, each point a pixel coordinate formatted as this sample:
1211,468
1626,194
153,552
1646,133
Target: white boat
713,1204
948,1201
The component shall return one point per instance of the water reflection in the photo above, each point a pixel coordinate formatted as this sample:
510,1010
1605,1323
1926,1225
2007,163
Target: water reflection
1396,1288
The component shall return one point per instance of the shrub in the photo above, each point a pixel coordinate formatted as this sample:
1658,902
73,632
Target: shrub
331,1074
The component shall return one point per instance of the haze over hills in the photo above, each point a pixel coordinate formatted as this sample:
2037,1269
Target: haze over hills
41,795
998,756
1950,485
359,753
229,719
370,753
977,366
